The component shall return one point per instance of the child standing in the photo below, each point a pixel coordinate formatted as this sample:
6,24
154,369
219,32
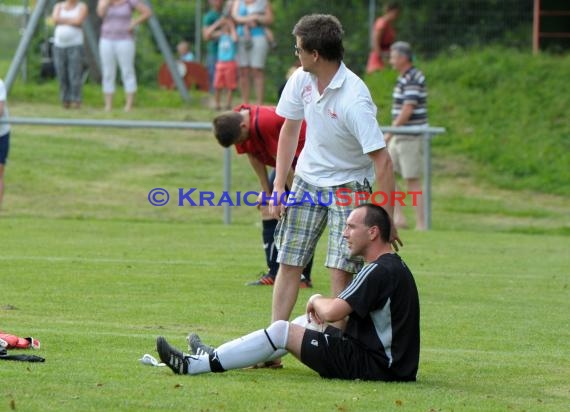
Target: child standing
184,53
225,77
4,137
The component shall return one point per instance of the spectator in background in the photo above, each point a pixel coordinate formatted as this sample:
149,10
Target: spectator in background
211,31
409,108
184,52
68,16
225,77
252,54
383,35
117,45
4,137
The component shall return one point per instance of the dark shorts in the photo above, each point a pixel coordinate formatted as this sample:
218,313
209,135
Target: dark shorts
336,356
4,147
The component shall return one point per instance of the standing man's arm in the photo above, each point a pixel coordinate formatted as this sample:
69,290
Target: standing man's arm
362,122
387,184
288,141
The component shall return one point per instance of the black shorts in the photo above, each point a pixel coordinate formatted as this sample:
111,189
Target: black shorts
4,147
336,356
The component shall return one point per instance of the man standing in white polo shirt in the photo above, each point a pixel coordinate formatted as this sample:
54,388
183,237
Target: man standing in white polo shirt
344,149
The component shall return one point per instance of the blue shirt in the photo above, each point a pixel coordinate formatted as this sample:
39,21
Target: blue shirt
226,48
254,31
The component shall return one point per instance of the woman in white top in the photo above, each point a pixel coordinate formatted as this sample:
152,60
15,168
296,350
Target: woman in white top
68,16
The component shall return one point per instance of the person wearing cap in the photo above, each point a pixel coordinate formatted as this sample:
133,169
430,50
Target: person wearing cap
409,108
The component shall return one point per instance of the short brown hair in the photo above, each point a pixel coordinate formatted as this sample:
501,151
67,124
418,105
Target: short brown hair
227,128
323,33
377,216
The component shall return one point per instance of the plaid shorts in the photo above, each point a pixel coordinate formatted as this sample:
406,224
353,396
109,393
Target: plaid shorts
305,220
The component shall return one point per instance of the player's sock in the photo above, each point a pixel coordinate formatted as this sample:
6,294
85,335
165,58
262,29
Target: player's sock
246,351
307,270
268,235
199,364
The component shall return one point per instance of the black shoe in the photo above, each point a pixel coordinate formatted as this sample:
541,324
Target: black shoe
197,347
172,357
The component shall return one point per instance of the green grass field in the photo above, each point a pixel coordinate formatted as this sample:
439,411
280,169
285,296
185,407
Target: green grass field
96,273
97,293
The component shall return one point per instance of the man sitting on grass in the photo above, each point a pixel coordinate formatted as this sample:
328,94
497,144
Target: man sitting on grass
381,339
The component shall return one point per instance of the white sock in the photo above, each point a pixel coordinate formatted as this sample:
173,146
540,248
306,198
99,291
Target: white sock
199,364
299,320
279,353
250,349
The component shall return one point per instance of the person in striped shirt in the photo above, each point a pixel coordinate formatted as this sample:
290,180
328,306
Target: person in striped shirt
409,108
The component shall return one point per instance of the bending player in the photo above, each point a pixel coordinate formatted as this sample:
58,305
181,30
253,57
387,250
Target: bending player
254,130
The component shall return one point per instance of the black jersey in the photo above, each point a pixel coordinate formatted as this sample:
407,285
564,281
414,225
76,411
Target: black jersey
386,314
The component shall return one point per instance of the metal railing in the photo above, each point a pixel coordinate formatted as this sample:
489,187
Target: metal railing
426,134
423,132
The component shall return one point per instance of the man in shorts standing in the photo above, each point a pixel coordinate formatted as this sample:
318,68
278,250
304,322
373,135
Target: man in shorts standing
4,137
409,108
381,340
344,150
